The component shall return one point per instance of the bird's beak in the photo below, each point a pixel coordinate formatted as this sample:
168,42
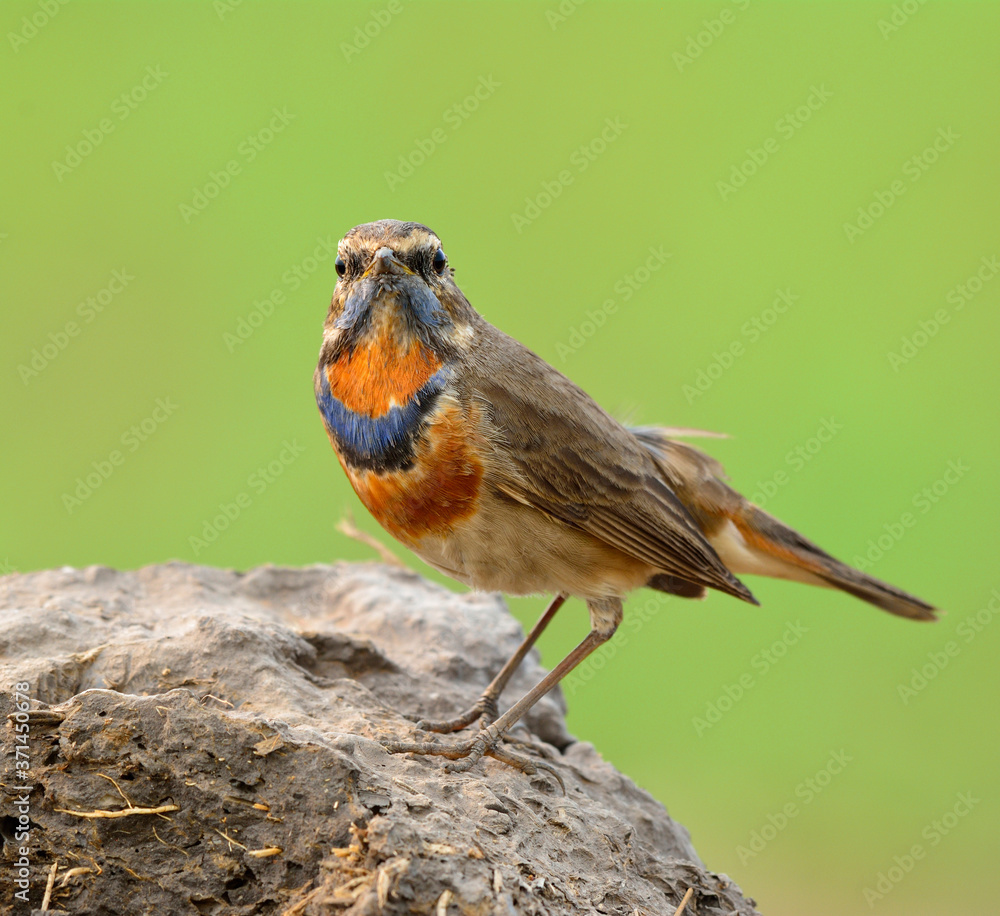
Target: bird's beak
386,264
389,280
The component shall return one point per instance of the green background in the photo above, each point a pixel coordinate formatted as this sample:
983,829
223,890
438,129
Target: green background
547,83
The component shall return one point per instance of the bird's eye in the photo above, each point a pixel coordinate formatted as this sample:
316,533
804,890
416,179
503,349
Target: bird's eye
340,266
439,261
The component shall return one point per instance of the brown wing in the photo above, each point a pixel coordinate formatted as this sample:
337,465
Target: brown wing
556,450
697,479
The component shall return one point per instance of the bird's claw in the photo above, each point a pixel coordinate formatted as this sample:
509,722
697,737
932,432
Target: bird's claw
484,709
466,754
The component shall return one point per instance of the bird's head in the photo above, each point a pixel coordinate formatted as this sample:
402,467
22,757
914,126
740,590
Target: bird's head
394,280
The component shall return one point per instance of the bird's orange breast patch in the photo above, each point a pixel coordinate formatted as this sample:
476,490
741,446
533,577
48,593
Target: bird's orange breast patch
440,489
377,374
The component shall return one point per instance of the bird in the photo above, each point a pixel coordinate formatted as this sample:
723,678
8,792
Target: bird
498,471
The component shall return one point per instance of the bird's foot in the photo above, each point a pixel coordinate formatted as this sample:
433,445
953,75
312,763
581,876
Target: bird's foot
484,709
466,754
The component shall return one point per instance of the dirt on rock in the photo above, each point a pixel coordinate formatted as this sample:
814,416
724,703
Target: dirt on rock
203,741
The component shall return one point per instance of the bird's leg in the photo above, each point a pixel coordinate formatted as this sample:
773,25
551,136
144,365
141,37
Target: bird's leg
605,615
485,708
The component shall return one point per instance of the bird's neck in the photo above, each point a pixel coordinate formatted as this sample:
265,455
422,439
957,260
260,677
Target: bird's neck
375,394
373,376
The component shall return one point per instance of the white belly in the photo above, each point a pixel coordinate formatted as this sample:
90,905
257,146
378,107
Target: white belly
523,552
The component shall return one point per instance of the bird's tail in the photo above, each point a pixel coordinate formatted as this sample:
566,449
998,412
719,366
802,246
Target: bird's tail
751,542
755,542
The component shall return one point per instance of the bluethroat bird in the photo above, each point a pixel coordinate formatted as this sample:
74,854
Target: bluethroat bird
498,471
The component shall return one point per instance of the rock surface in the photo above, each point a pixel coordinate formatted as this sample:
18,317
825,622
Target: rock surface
236,720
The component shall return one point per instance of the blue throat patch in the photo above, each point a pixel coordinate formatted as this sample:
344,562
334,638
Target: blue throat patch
379,443
421,304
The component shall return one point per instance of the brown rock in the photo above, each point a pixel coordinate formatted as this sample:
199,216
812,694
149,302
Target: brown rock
222,730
